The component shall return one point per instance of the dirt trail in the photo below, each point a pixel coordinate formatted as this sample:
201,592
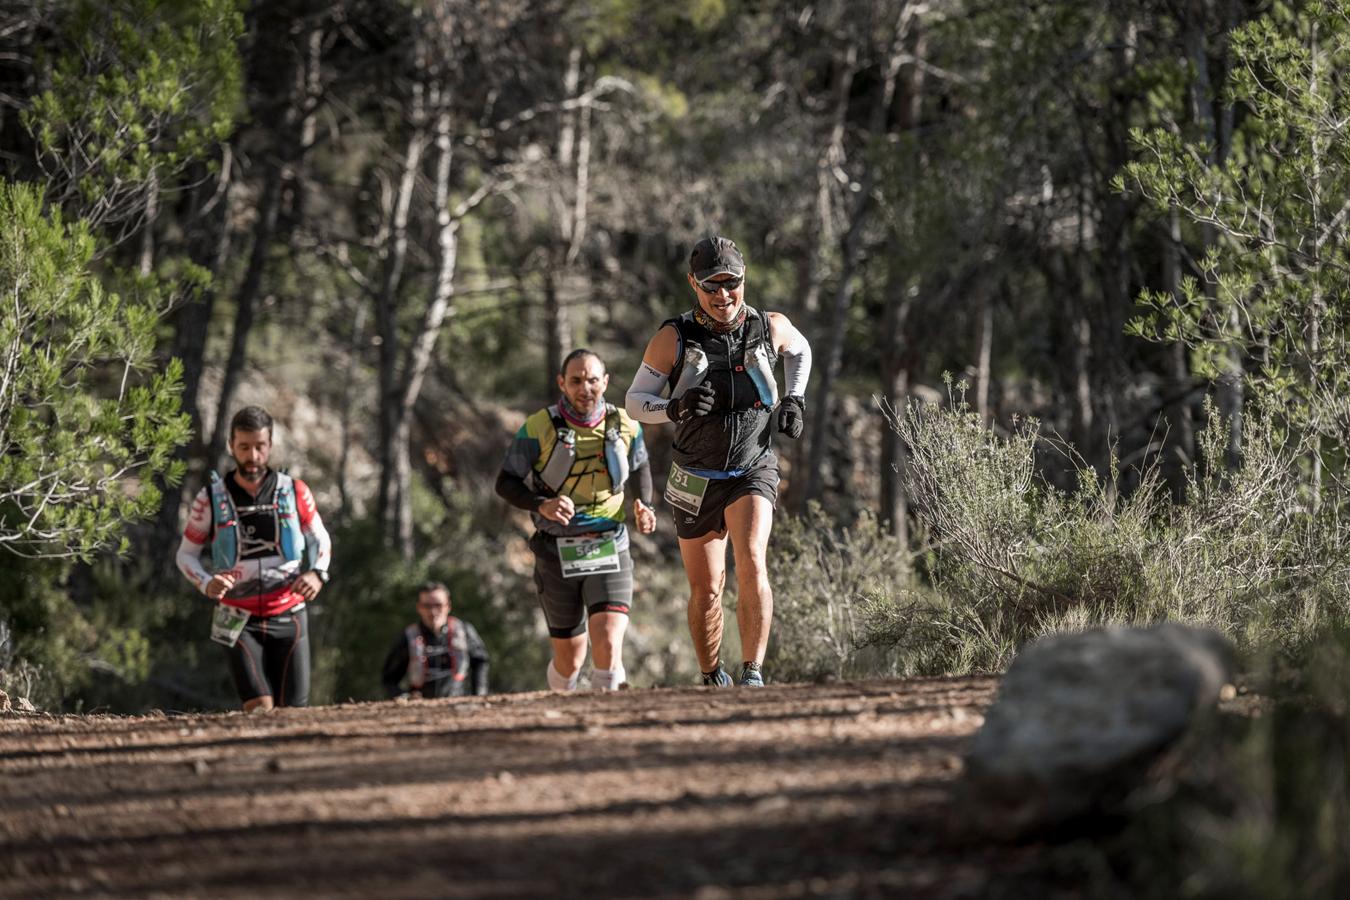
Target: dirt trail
798,790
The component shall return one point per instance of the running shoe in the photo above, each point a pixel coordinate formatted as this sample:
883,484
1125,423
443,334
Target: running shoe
751,676
718,678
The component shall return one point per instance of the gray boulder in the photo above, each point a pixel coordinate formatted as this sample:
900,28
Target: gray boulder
1081,719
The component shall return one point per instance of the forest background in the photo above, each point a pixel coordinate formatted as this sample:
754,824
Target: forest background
1074,274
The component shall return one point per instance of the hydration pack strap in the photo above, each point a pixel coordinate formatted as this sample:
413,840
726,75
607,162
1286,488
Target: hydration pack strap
564,453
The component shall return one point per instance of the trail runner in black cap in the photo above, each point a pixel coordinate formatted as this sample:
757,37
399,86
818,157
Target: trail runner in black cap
711,372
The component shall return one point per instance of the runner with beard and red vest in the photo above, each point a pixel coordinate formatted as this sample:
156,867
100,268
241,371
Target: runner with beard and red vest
710,371
438,656
269,556
570,465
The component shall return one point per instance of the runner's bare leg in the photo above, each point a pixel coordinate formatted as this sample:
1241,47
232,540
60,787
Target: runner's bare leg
705,564
607,630
749,520
568,654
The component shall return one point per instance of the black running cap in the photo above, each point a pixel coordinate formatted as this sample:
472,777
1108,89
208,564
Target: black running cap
715,256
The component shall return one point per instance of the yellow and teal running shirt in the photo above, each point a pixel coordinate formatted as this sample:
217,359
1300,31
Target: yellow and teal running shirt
599,507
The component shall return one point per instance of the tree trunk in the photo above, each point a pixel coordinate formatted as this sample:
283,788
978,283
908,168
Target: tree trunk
194,322
146,264
894,458
836,326
556,332
984,350
1230,391
1080,354
287,152
897,352
1075,379
419,354
354,353
836,329
386,319
570,201
245,305
822,237
191,327
897,361
1114,257
1179,437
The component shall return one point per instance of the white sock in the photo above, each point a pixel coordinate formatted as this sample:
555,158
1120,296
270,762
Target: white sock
607,679
556,681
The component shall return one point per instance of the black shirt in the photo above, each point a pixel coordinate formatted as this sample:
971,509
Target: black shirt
257,517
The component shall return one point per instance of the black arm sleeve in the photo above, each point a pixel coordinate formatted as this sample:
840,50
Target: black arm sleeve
478,661
395,667
643,475
513,490
478,676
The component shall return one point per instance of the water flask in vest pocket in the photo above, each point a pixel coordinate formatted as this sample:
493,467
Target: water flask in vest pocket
761,373
695,367
616,459
559,464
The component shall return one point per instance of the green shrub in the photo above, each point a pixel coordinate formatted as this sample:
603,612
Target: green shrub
1011,557
823,576
44,636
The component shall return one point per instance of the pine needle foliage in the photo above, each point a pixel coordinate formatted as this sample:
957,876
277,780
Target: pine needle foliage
86,425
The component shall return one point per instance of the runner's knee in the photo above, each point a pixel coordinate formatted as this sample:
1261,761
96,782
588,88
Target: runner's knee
608,617
702,595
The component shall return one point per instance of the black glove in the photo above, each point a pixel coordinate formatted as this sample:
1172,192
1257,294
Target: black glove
792,416
697,401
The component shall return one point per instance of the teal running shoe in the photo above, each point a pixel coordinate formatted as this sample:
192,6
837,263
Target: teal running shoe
751,676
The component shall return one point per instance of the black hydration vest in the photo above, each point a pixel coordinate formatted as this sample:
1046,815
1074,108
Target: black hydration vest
739,365
455,669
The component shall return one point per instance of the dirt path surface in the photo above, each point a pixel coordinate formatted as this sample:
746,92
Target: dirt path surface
798,790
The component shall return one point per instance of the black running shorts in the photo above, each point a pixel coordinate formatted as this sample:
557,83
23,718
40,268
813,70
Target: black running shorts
566,601
271,658
761,481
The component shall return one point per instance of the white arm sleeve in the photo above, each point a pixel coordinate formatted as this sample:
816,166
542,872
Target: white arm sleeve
644,401
318,545
797,365
316,536
189,560
196,535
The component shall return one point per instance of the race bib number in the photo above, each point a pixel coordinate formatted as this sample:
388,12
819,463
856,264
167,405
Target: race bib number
685,490
227,623
588,556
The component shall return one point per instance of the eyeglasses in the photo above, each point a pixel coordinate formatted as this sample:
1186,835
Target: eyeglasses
433,606
712,287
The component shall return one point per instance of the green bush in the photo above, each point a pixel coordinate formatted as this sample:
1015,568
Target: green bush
1011,557
44,636
824,576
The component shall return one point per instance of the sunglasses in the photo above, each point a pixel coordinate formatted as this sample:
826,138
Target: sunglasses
712,287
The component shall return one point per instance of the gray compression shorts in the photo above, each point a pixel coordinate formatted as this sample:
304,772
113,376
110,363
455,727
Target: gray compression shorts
566,601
